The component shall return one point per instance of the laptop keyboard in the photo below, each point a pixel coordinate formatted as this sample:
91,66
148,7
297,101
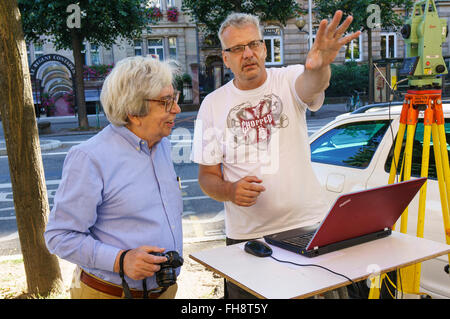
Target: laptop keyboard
300,241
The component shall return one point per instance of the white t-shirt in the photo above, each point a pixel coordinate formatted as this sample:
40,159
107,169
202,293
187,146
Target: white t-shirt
262,132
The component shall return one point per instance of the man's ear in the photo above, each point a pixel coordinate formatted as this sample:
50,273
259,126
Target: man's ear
265,51
225,59
134,120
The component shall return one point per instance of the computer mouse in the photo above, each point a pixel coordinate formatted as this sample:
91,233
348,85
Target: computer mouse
258,248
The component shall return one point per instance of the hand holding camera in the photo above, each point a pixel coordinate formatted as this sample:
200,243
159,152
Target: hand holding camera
140,264
167,276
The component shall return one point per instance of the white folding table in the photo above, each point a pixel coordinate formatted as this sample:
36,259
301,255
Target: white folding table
266,278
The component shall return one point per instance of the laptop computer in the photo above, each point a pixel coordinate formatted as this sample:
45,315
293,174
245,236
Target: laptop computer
353,219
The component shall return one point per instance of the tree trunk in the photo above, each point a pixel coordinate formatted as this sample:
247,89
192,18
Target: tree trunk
77,45
370,58
24,155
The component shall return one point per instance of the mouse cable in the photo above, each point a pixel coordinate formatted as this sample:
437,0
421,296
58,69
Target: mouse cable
313,265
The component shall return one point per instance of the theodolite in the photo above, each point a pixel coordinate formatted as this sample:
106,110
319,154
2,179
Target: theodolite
424,33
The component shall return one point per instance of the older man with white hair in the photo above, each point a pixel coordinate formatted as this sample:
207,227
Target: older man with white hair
119,199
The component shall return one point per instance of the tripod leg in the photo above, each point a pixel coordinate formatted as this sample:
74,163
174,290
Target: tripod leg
397,150
407,273
446,171
428,120
375,286
440,174
411,129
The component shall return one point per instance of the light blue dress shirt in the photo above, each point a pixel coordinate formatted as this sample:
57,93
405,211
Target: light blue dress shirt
115,193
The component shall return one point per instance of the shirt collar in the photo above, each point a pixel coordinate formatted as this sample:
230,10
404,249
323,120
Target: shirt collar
136,142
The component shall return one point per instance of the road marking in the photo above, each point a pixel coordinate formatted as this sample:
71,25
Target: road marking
57,181
48,182
10,237
54,154
193,219
195,197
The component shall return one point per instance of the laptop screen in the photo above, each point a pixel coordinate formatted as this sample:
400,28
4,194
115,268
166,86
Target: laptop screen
368,211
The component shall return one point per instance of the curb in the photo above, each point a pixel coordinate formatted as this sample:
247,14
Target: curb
45,145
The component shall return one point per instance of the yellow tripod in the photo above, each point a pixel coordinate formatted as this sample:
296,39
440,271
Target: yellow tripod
433,127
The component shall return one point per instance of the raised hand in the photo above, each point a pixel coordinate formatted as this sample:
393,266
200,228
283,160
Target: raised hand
329,41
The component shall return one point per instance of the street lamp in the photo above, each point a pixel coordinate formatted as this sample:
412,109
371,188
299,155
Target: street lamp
300,24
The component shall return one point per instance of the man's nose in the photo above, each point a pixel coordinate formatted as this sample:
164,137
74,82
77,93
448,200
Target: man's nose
248,52
176,108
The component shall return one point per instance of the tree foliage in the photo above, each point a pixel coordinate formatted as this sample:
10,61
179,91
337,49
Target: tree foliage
209,14
102,21
348,77
365,18
325,9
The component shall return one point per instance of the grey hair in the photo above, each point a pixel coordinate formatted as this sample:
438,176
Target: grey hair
131,81
238,20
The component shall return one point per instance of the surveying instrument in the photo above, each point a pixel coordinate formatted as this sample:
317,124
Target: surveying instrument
424,66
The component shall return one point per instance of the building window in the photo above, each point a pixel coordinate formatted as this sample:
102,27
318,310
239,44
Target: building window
156,48
154,3
95,55
83,53
173,48
91,54
160,4
274,44
388,45
137,47
353,50
38,50
29,54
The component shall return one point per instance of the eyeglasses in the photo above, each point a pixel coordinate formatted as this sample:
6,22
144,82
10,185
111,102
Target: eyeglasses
253,45
168,102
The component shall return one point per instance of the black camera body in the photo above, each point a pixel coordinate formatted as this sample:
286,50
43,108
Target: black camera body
167,276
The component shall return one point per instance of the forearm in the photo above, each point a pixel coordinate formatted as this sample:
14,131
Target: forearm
215,187
81,249
310,86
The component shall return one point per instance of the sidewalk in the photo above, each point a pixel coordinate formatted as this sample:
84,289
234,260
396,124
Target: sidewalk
194,282
327,110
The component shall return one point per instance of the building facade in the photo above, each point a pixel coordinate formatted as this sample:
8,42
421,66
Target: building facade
178,38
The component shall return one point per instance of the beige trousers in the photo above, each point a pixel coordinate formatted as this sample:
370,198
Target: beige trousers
79,290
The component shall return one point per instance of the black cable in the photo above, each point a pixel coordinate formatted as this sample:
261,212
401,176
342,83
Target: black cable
313,265
392,93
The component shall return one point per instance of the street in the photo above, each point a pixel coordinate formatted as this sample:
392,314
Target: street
203,217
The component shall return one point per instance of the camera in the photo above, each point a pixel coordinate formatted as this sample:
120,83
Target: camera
166,276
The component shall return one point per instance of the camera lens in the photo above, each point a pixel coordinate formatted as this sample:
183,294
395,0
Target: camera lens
166,276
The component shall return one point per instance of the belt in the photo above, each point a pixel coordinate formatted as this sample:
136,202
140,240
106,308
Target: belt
115,290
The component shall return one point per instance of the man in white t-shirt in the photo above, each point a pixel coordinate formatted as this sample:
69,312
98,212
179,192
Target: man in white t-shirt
251,140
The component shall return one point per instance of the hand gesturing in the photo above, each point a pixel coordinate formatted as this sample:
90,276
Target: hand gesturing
329,41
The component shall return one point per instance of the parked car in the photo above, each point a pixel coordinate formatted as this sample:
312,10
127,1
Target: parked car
354,152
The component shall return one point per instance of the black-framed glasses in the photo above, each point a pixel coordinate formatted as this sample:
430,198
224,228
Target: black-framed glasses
168,102
253,45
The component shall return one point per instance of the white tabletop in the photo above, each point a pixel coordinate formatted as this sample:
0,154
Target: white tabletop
267,278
